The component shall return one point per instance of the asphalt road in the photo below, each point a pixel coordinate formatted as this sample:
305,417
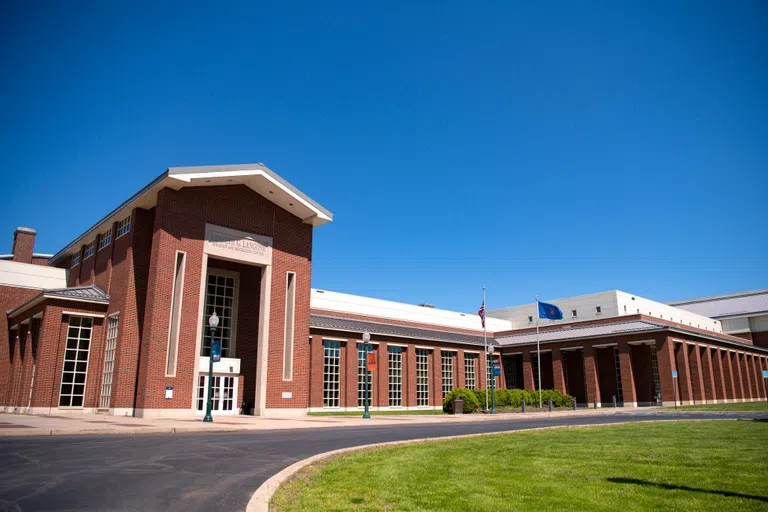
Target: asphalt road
213,471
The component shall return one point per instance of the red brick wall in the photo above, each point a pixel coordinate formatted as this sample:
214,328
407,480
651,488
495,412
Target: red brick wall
179,224
10,297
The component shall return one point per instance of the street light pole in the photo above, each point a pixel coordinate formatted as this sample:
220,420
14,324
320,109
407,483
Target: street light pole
213,322
367,399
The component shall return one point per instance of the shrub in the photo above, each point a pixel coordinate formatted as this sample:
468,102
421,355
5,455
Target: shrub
467,395
513,398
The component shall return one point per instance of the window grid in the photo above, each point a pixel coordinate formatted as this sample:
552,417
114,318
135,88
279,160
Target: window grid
90,249
75,370
105,239
510,372
201,392
655,366
469,370
565,372
228,394
535,368
489,373
395,376
422,377
617,358
123,227
447,366
362,365
331,373
75,260
109,362
219,297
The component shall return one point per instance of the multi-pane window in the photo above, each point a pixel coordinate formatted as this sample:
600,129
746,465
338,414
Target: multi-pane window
617,359
510,372
362,367
201,392
123,227
331,373
228,393
395,376
72,391
105,239
219,297
470,361
109,362
655,367
422,377
89,250
489,374
75,260
447,360
565,372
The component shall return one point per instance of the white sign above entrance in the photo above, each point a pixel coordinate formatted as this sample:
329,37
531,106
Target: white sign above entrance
237,245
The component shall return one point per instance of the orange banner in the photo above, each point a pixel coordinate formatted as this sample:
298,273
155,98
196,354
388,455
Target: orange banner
372,362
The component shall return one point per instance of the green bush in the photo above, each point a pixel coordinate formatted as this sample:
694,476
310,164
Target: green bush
513,398
471,404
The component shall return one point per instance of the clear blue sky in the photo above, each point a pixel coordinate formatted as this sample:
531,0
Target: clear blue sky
553,149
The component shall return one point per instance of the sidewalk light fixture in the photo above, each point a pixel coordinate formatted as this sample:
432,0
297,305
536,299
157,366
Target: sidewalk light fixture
213,323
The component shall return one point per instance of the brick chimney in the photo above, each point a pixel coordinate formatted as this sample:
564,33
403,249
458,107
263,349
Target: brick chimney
23,244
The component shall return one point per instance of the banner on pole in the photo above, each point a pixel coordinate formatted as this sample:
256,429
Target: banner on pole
216,350
372,362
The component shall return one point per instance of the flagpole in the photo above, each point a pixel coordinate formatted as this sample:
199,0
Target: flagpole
485,346
538,351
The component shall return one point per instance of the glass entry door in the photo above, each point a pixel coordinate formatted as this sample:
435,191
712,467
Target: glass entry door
224,394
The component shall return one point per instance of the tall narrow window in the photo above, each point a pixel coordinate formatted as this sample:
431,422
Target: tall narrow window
290,307
331,373
109,362
447,360
220,297
565,372
422,377
72,391
362,365
535,368
489,373
469,370
655,367
395,376
173,331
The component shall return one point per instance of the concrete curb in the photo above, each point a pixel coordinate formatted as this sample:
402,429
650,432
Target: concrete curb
259,501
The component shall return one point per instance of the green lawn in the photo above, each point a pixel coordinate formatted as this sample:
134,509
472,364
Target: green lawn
734,407
708,465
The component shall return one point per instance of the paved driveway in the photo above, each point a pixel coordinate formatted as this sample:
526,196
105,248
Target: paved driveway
211,471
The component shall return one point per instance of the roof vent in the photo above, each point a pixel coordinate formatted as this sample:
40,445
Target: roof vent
425,305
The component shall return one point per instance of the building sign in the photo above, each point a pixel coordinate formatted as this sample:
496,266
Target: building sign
237,245
765,374
216,350
371,361
674,374
168,392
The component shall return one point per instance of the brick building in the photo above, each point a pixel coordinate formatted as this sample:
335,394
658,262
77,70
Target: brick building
115,322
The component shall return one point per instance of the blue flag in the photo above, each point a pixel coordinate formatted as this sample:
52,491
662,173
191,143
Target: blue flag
550,311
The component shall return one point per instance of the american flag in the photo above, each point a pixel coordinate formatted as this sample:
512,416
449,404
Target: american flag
481,312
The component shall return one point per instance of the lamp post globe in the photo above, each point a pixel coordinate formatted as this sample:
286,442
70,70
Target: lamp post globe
366,344
213,323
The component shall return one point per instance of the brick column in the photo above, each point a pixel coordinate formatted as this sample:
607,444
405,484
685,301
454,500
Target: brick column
381,376
558,376
316,372
436,378
683,374
739,374
697,375
730,376
459,374
590,376
627,374
409,376
349,384
665,357
528,371
757,380
719,373
710,394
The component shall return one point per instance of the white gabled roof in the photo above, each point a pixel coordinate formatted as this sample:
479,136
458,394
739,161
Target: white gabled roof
370,307
257,177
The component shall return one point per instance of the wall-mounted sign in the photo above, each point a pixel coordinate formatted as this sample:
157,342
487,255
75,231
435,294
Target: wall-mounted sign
674,374
168,392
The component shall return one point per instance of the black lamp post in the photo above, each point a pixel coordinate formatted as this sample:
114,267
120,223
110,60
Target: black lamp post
213,322
367,399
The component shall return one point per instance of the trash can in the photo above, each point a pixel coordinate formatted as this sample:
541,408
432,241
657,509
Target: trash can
458,407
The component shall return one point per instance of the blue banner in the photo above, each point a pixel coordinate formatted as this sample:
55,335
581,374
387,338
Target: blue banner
216,350
550,311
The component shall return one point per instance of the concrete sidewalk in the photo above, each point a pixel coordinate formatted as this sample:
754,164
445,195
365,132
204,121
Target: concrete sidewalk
34,425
